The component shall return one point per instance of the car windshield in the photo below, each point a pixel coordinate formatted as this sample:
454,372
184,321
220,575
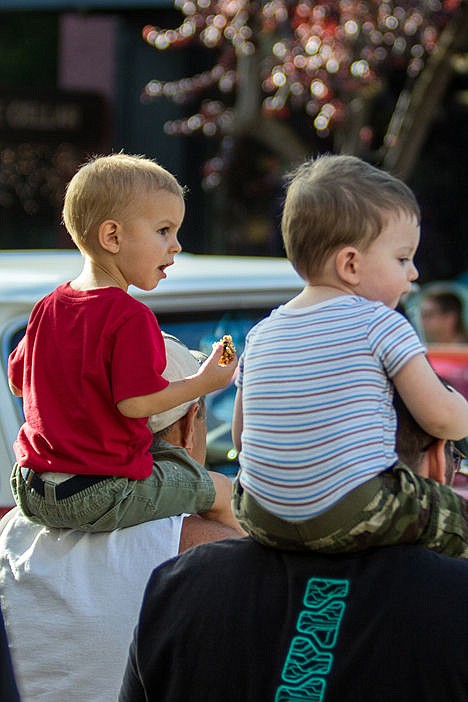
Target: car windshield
201,329
200,332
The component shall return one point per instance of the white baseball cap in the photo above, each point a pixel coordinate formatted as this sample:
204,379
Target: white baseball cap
180,363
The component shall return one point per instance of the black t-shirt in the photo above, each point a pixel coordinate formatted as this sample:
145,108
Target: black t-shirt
234,621
8,689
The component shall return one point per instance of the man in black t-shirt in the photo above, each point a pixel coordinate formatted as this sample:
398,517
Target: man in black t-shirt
235,621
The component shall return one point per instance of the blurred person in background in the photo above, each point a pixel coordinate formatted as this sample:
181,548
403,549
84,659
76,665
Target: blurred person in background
442,318
443,314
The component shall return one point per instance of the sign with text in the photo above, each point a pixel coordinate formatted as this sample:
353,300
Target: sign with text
44,137
76,116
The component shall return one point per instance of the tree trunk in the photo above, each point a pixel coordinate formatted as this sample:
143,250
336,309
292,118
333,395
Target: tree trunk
249,121
347,137
280,139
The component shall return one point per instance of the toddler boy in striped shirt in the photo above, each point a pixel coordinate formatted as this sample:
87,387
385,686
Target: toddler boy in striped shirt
314,420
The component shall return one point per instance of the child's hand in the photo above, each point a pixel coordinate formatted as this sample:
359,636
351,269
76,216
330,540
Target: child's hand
217,376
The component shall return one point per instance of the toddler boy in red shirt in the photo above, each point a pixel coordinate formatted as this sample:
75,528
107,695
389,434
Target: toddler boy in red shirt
90,365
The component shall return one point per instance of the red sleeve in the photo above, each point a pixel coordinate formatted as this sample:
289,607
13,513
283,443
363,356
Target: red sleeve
139,357
16,365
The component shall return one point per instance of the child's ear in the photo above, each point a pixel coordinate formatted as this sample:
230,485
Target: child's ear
109,235
347,265
437,461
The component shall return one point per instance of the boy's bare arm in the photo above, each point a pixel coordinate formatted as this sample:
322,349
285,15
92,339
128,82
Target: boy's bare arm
211,376
237,421
441,412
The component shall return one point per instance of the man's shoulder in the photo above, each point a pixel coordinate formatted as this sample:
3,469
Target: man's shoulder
164,452
416,577
415,556
15,519
418,559
144,545
418,564
222,556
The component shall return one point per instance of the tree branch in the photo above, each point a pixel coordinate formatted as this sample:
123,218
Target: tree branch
416,108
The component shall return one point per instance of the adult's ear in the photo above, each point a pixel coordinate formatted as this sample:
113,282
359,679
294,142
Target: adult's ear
109,236
347,265
437,461
188,427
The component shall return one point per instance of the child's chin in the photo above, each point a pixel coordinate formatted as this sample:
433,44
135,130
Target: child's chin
147,287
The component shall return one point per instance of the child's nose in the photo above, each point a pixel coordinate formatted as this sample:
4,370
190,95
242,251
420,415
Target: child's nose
414,273
175,246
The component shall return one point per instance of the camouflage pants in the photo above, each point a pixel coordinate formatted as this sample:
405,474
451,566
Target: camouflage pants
396,507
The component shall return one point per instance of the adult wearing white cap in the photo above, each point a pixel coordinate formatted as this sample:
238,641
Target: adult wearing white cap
70,599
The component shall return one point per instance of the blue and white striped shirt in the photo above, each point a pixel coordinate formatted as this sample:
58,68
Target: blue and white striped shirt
318,418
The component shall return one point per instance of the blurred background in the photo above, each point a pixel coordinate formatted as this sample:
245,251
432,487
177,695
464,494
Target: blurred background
230,95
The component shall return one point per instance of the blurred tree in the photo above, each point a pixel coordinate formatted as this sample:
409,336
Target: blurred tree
302,76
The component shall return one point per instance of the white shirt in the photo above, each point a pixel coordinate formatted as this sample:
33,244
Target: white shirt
71,601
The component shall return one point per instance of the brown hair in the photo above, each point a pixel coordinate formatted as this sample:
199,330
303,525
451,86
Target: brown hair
411,439
105,188
335,201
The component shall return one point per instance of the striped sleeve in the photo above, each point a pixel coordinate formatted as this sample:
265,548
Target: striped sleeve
239,381
392,339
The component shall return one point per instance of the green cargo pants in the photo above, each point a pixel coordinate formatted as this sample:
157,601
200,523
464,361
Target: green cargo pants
398,506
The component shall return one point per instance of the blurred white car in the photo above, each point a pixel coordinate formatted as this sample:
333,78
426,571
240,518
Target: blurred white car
203,298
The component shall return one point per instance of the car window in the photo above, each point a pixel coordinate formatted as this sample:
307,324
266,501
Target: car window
9,340
198,330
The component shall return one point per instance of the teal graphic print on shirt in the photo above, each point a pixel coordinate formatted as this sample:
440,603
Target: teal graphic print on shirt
310,655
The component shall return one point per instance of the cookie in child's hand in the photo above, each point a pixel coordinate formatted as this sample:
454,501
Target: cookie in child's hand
229,350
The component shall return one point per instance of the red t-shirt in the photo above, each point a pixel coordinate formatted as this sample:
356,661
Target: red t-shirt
82,353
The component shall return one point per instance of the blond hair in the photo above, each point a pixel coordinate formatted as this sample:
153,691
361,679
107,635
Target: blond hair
335,201
106,188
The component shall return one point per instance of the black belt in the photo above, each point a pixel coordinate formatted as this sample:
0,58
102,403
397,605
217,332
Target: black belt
62,490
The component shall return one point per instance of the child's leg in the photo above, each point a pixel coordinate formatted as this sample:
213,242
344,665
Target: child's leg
177,485
221,510
263,526
73,503
397,506
407,509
